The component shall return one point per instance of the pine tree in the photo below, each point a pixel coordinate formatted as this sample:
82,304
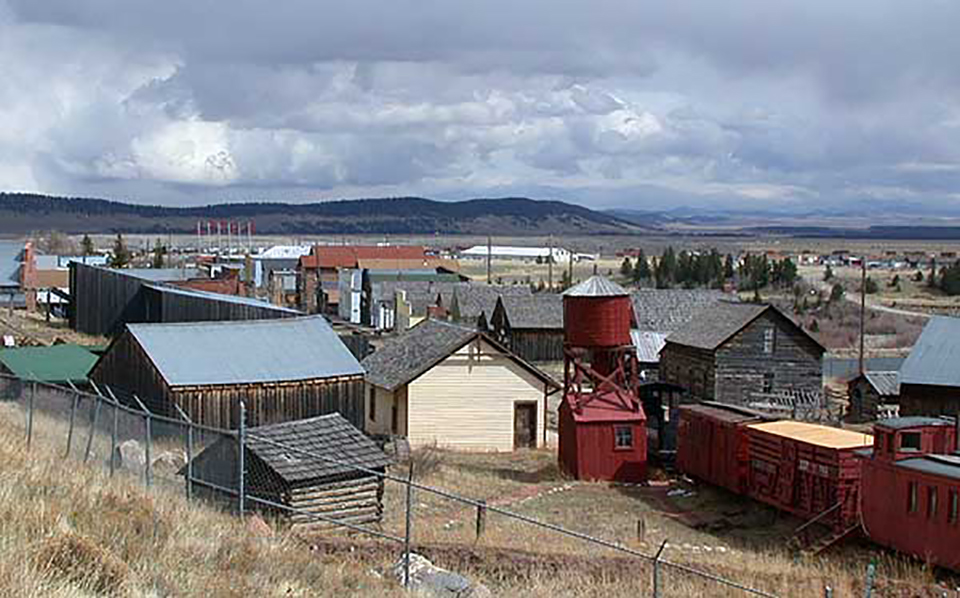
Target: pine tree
86,245
641,268
121,255
626,268
159,251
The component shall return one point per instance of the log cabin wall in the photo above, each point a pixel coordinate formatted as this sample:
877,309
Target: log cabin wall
692,368
536,345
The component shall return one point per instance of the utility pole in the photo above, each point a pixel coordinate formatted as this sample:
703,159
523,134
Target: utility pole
489,252
550,266
863,305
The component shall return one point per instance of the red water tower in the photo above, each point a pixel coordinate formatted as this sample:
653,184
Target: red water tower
603,434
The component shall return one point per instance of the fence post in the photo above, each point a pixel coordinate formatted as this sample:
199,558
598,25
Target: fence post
148,433
481,518
73,417
189,450
406,534
113,431
656,570
240,465
868,586
93,429
33,392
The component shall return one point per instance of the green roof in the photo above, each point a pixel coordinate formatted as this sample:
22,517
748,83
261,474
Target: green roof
59,363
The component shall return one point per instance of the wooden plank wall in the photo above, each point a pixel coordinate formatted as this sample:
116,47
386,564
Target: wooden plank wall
537,345
102,301
358,501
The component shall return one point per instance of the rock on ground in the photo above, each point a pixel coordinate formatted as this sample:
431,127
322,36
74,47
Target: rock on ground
129,454
431,580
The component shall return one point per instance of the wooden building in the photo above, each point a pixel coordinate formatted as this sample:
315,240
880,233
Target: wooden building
871,394
103,300
285,369
911,488
737,352
930,376
530,325
308,466
806,469
448,385
473,304
601,421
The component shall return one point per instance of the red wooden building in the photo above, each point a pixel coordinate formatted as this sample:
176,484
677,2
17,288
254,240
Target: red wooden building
911,488
602,426
808,470
712,444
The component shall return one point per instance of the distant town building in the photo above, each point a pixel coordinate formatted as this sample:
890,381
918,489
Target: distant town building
507,252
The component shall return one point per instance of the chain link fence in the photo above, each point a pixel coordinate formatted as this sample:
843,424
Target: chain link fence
104,426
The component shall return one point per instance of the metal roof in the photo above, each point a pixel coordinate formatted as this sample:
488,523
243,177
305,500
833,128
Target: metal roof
330,436
887,384
947,466
161,274
58,363
934,358
915,421
648,345
220,297
724,412
245,352
10,263
596,286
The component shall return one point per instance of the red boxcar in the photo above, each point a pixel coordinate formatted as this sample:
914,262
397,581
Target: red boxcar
911,497
603,441
806,469
712,443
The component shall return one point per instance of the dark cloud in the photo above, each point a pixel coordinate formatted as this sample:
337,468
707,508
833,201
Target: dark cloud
609,103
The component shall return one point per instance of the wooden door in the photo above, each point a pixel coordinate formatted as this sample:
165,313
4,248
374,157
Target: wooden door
525,425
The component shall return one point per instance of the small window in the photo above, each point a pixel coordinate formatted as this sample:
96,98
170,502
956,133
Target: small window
373,404
910,441
768,382
623,437
394,417
954,510
912,497
769,340
931,502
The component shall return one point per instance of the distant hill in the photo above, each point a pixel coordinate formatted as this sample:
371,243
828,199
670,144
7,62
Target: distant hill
21,213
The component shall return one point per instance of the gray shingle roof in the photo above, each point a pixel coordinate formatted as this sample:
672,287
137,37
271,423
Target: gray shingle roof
413,352
474,299
331,436
934,358
666,310
10,252
596,286
420,294
242,352
712,326
648,345
887,384
537,311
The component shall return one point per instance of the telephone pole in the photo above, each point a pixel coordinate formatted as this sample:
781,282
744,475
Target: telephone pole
863,305
550,266
489,252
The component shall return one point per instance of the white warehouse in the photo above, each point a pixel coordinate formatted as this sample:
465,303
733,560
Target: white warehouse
506,252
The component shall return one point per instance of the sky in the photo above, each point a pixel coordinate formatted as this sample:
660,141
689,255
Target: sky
743,104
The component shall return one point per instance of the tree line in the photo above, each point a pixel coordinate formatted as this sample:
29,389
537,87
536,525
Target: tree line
688,269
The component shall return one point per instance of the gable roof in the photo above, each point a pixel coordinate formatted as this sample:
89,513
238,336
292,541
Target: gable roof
666,310
596,286
408,355
713,326
221,298
537,311
245,352
934,357
327,435
10,252
347,256
887,384
648,345
55,364
475,299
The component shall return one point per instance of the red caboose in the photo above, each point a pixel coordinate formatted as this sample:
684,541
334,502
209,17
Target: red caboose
602,425
911,488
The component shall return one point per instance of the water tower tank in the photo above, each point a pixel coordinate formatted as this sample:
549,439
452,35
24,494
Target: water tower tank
597,313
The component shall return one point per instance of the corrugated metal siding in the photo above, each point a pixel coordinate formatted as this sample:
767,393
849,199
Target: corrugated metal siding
467,401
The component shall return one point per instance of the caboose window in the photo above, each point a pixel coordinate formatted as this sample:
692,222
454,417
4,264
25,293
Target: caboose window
910,441
623,437
912,497
931,502
954,507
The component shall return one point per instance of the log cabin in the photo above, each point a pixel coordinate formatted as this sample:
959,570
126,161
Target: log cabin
870,393
530,325
286,369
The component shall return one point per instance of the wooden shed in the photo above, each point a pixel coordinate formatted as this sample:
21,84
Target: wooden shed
712,444
870,393
309,465
807,469
531,325
286,369
742,353
911,488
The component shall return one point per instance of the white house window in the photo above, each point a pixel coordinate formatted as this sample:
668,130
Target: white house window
623,437
769,340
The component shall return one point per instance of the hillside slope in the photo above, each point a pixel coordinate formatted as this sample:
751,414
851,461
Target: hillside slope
22,213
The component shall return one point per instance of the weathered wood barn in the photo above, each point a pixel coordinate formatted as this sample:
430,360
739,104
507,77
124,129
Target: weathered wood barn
871,392
930,376
445,384
530,325
102,300
285,369
737,353
473,304
308,466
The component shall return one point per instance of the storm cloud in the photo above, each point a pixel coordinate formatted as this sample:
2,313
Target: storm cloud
609,103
